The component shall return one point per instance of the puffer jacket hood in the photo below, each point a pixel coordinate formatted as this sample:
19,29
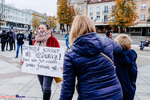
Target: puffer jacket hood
127,56
87,45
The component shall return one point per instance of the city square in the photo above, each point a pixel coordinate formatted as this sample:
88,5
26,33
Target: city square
14,82
85,31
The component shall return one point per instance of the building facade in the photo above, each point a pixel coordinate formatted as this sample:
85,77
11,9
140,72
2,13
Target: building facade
18,19
14,18
99,11
143,11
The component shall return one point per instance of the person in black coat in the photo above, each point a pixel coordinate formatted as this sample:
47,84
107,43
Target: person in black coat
14,38
3,36
20,42
126,67
7,40
30,38
11,40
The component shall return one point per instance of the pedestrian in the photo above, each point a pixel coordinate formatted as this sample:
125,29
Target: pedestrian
146,42
89,61
7,40
45,38
11,40
126,67
3,37
30,38
14,38
109,34
20,42
67,39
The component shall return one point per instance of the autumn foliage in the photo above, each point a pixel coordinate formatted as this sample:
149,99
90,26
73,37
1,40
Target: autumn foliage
51,21
35,22
124,14
65,13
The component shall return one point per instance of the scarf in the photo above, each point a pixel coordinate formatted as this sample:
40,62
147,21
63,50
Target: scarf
42,40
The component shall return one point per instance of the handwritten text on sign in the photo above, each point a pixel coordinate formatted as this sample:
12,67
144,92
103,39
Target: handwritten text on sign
43,60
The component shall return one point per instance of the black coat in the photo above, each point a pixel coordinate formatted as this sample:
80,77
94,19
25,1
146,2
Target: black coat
3,36
20,37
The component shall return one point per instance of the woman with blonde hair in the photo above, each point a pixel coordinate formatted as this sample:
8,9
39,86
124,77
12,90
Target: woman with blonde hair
89,60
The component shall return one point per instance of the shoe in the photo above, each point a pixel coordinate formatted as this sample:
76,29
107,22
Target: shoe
16,57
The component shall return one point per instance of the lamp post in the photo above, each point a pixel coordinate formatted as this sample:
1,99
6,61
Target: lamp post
148,20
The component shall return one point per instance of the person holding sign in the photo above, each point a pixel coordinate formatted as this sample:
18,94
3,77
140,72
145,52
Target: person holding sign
45,39
90,60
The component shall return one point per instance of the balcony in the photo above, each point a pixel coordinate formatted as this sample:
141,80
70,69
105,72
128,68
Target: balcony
98,13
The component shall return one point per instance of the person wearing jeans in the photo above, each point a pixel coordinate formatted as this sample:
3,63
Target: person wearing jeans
20,42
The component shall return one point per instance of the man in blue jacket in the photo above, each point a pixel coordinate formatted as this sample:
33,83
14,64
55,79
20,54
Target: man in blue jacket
20,42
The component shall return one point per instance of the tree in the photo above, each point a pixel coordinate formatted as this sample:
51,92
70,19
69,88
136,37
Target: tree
124,14
51,21
35,22
65,14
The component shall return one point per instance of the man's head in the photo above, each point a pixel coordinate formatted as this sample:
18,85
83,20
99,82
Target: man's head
124,40
109,34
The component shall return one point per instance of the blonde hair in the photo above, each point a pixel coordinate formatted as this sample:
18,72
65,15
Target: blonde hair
82,24
124,40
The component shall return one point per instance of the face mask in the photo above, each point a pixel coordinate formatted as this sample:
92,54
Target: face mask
42,32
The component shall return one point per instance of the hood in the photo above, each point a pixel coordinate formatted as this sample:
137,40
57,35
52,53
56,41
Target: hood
87,45
127,56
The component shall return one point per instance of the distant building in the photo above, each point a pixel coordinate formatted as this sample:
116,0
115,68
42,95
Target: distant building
15,18
143,11
99,11
18,19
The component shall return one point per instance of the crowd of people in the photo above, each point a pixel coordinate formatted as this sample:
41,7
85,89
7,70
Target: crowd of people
105,69
8,39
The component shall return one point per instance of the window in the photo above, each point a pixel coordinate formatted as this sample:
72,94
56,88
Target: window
92,0
72,0
99,0
105,18
143,6
105,9
98,9
113,7
91,9
92,18
80,7
143,17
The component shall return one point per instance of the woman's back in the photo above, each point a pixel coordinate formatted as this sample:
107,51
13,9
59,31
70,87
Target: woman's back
95,73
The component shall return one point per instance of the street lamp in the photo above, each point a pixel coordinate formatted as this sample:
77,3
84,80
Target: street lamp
148,20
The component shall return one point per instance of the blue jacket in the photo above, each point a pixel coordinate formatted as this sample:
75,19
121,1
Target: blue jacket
96,77
126,70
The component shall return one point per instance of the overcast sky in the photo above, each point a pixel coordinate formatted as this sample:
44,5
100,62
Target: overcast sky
42,6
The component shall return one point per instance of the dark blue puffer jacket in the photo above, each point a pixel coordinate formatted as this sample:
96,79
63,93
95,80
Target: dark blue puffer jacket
126,70
96,77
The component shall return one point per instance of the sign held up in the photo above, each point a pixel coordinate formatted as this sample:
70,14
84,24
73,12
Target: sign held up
45,61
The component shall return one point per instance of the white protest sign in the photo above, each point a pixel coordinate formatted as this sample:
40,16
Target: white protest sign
43,60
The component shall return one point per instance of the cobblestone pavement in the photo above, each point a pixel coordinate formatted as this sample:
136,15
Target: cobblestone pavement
13,81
